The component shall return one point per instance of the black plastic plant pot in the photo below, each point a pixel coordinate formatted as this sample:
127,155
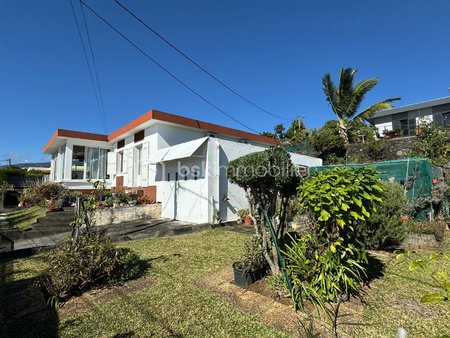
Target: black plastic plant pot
244,278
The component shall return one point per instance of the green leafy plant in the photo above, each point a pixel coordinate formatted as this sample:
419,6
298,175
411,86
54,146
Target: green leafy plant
432,143
253,260
440,278
338,199
328,144
385,228
324,274
92,261
243,212
327,264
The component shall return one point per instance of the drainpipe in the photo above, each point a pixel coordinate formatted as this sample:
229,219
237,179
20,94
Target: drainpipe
217,211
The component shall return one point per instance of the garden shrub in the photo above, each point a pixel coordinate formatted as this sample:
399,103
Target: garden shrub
324,274
40,193
384,228
328,263
92,261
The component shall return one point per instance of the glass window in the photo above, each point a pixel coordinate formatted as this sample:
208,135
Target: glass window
446,119
96,163
78,162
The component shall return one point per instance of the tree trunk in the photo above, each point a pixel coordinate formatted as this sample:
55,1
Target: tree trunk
343,130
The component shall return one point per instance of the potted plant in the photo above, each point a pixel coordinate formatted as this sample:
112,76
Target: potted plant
52,205
133,198
253,267
21,198
144,200
244,216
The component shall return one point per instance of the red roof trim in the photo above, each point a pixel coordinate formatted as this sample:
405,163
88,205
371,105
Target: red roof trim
187,122
165,117
75,134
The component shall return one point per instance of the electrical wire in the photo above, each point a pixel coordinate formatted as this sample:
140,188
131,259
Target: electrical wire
95,69
203,69
87,60
166,70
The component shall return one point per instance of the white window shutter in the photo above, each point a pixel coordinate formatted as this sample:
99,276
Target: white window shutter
111,164
130,160
144,166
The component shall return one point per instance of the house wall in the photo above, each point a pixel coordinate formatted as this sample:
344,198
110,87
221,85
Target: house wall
203,198
62,162
415,117
231,197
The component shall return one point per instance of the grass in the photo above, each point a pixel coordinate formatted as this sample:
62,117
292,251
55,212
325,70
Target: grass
24,218
173,306
394,301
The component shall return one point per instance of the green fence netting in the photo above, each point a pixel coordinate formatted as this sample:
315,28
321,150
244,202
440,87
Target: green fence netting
414,174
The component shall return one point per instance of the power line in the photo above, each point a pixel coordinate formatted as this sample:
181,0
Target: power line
95,69
197,64
166,70
87,61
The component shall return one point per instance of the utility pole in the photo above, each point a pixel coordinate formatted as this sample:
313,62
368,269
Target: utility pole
9,161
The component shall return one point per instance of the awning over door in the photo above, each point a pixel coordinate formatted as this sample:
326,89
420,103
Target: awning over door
176,152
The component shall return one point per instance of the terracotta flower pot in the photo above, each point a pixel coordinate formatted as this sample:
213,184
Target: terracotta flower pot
435,180
247,220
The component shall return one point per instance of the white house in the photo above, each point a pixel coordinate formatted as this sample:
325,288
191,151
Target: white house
403,121
174,160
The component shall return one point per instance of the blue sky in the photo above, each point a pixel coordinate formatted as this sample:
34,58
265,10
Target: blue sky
274,53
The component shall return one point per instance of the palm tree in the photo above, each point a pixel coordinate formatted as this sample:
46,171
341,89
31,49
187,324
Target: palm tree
346,99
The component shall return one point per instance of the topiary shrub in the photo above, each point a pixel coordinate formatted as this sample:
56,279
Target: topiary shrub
92,261
270,180
384,229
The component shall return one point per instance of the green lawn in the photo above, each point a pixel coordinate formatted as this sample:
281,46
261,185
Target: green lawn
23,218
394,301
173,306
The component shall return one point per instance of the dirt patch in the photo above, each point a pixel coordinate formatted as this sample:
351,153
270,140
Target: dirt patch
95,297
261,287
260,299
275,309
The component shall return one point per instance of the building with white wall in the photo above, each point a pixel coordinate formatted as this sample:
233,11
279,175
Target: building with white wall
174,160
404,121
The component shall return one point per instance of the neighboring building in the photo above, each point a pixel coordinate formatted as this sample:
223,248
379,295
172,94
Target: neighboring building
403,121
174,160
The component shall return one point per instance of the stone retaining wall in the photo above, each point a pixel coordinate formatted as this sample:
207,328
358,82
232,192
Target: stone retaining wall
420,240
126,214
393,149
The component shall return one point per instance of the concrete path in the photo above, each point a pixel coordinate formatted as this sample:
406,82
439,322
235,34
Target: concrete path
150,228
127,231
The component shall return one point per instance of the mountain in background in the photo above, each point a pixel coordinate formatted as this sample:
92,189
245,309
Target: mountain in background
29,165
